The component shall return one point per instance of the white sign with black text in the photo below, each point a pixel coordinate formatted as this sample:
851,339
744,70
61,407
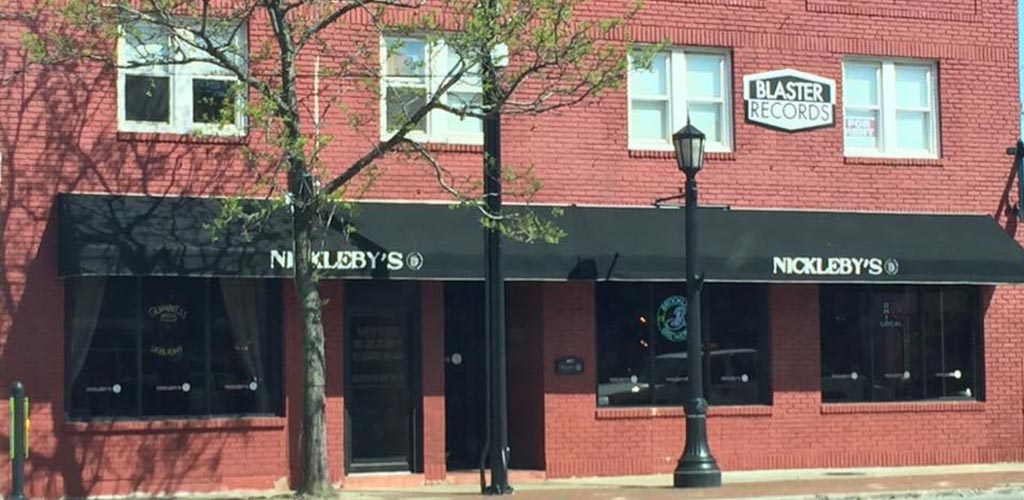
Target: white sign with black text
789,100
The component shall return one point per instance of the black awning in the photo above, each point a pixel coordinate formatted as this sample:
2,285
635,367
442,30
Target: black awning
147,236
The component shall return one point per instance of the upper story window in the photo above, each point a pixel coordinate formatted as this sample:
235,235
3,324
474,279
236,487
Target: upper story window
681,84
160,90
413,69
890,108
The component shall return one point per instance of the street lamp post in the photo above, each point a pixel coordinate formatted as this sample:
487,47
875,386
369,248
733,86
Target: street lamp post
696,468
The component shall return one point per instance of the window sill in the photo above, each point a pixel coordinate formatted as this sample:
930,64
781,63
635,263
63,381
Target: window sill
182,138
675,412
169,425
907,407
671,155
892,161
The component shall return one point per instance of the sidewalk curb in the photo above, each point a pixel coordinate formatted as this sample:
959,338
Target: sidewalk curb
1011,489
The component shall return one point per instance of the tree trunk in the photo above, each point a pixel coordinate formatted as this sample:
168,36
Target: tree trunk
316,482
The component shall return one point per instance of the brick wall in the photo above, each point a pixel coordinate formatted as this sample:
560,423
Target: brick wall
797,430
58,133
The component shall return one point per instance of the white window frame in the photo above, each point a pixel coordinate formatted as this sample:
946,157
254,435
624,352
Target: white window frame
678,100
180,76
436,67
886,129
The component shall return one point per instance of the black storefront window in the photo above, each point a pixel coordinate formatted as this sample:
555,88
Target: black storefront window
900,343
641,348
172,347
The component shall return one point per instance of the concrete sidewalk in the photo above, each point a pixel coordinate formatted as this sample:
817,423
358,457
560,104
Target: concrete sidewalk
997,481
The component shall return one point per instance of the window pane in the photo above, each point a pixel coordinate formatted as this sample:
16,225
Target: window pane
860,85
623,344
650,81
952,343
912,87
891,324
737,333
101,351
648,121
213,101
861,129
144,43
147,98
405,57
708,118
173,346
464,125
244,340
703,76
844,366
402,103
913,130
671,379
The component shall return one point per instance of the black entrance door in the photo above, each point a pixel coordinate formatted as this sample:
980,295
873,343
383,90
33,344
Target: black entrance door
381,394
464,373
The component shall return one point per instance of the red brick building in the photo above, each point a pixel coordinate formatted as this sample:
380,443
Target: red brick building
858,311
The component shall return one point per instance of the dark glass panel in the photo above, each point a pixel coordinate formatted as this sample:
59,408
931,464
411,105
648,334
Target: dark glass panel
102,361
671,379
147,98
737,326
624,325
212,101
174,346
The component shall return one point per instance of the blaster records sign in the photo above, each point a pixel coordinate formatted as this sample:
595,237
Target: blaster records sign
789,100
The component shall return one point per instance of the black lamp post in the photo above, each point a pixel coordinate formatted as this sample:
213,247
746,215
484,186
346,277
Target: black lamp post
696,468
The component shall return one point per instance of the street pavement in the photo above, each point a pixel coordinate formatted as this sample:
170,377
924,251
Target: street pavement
978,482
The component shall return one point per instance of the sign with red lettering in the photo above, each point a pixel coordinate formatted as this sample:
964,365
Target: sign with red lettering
789,100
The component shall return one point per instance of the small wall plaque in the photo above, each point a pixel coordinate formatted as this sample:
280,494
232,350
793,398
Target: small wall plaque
569,365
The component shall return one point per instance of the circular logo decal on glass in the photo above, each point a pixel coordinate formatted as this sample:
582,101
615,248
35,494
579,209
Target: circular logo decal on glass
672,318
414,261
892,267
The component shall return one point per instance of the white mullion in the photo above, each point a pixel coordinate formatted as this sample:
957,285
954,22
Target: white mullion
887,101
933,105
677,92
724,77
436,57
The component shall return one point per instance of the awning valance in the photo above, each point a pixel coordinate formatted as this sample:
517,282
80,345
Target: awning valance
174,236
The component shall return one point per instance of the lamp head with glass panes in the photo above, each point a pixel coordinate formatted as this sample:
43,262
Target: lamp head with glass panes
689,144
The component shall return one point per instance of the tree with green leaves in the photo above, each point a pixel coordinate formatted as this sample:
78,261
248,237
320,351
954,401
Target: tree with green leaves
538,56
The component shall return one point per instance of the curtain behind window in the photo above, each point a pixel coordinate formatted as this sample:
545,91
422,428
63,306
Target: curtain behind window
246,306
84,311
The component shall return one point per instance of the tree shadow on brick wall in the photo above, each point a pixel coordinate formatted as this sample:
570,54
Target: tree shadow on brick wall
58,134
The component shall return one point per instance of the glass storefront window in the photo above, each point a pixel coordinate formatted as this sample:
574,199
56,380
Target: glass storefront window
147,347
899,343
641,347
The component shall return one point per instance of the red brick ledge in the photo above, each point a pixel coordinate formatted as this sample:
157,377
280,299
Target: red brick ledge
941,15
893,162
182,138
673,412
209,424
922,407
671,155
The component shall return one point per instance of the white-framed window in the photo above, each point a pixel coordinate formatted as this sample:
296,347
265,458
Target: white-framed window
158,92
413,69
681,84
890,108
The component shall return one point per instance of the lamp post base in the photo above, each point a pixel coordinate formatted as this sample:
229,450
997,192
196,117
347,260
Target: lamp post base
702,474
